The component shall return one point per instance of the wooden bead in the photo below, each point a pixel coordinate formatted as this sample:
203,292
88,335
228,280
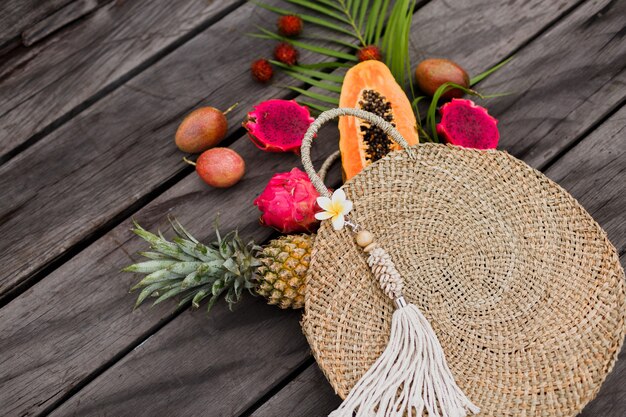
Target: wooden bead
364,238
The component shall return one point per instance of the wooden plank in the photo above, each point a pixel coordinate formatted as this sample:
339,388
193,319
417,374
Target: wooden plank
17,15
309,394
593,172
105,388
57,20
44,85
125,145
22,390
90,318
572,78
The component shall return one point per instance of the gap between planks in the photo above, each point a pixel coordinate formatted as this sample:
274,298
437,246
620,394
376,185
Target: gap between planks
52,125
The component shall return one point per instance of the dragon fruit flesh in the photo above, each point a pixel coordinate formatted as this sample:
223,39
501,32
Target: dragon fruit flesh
463,123
278,125
289,203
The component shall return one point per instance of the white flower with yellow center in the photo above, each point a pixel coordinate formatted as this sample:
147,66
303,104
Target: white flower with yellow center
335,208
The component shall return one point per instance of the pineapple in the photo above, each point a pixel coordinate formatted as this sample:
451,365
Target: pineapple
186,268
284,264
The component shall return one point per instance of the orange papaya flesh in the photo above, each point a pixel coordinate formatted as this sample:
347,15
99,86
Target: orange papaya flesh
370,86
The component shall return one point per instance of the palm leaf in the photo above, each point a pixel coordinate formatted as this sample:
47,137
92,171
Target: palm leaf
314,106
326,65
478,78
308,18
363,8
316,96
381,22
370,26
315,83
395,43
320,9
303,45
331,3
363,20
333,40
301,69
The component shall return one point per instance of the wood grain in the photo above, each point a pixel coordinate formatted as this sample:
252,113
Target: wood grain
17,15
119,138
309,394
45,84
570,78
193,207
60,18
121,149
90,317
94,292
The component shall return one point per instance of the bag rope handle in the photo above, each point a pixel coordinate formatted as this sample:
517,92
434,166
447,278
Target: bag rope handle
328,115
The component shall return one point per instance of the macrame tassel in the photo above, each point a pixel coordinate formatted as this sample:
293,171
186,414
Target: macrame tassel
411,376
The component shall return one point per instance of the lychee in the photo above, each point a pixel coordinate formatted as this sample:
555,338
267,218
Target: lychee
262,70
286,53
289,25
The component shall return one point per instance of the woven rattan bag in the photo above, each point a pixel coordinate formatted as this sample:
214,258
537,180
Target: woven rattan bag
523,290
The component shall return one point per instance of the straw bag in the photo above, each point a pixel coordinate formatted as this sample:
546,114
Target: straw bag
499,291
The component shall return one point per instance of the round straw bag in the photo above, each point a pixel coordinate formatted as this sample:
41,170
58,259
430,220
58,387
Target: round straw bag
521,286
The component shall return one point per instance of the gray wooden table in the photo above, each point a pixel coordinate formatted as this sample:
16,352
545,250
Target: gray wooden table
91,92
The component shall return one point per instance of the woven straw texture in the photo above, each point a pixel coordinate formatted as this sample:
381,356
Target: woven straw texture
520,284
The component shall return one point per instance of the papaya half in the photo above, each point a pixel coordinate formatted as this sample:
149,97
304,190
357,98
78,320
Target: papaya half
370,86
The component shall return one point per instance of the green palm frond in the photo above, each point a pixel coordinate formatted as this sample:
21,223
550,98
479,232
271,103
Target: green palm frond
306,70
395,42
332,53
345,26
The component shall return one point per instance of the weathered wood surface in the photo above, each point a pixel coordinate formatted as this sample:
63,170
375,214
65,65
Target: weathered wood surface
23,389
120,150
18,15
116,379
309,394
60,18
102,305
114,144
91,294
594,172
45,84
574,77
81,315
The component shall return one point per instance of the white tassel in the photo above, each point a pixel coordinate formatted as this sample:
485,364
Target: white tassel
409,377
412,375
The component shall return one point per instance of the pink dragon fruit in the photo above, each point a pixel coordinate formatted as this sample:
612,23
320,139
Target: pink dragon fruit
289,203
278,125
463,123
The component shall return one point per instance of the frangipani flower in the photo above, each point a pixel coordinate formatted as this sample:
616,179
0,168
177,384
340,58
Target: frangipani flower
335,208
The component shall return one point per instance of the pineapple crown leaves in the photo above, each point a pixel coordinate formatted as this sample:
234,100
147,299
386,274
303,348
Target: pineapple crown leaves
194,271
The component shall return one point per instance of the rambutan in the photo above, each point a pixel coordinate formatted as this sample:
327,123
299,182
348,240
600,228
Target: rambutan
290,25
286,53
370,52
262,70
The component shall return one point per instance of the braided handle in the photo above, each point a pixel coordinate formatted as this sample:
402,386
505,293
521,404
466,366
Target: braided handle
332,114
